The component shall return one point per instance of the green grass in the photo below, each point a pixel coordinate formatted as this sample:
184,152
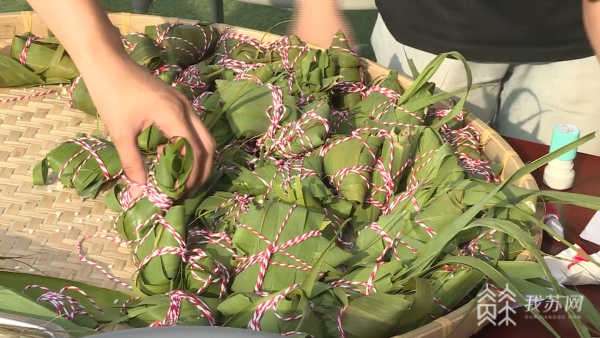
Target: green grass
236,14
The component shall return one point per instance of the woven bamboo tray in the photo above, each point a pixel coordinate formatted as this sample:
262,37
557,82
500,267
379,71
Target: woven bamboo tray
42,224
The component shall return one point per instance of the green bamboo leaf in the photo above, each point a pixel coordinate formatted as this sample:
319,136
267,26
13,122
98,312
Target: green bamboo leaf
46,57
40,173
347,66
108,300
559,197
412,66
433,247
174,169
71,160
350,153
141,313
588,310
189,43
422,303
13,74
450,288
528,242
528,276
243,317
162,273
549,230
316,76
313,275
145,52
149,140
498,279
246,106
374,315
15,303
297,221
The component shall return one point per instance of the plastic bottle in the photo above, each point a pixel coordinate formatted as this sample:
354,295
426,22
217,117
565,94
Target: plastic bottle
552,220
559,173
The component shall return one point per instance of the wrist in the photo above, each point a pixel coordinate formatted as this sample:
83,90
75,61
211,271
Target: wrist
101,55
105,65
316,14
316,7
110,80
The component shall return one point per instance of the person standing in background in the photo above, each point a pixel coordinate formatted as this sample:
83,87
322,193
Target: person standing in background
534,56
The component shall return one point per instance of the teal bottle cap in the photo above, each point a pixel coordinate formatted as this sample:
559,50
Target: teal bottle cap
562,135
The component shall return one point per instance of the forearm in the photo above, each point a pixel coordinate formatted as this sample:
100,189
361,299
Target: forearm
316,21
591,19
316,12
87,34
317,7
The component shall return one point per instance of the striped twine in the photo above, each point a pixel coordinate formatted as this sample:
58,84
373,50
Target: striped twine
467,136
275,113
346,86
260,310
195,53
293,131
92,146
96,265
263,258
28,43
72,90
126,303
64,304
27,97
177,297
207,237
338,117
151,190
238,204
473,245
339,322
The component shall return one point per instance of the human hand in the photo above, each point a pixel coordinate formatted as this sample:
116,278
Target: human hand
317,21
128,98
135,102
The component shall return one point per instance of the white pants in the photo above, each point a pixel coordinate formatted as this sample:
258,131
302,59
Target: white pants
524,100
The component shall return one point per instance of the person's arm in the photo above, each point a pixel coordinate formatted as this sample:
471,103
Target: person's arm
129,99
317,21
591,19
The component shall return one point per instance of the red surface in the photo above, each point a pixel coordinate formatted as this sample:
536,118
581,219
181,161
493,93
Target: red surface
574,219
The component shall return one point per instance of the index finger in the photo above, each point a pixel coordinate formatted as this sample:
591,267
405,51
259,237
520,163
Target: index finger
191,128
204,158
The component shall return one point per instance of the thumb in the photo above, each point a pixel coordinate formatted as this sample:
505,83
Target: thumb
131,160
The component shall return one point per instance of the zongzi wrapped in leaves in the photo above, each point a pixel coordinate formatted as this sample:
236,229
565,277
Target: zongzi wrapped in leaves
83,163
190,43
253,109
349,161
347,66
304,135
45,56
278,244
